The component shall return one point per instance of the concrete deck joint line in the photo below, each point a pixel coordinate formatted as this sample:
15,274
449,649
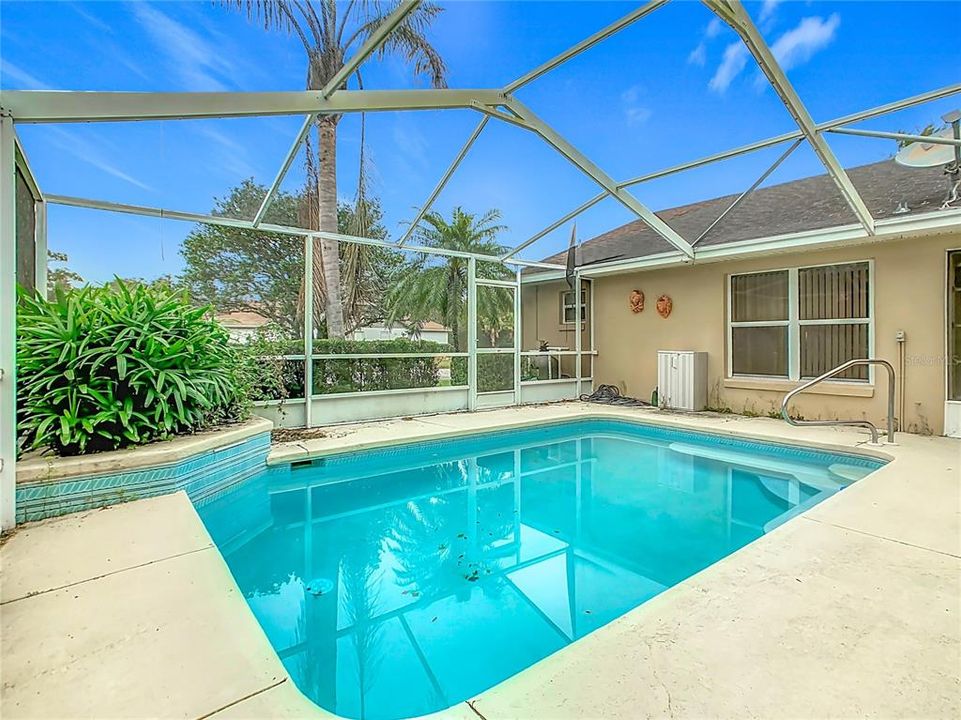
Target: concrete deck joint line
470,704
882,537
242,699
37,593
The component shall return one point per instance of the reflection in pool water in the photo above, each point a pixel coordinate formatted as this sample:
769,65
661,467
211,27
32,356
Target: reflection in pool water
396,583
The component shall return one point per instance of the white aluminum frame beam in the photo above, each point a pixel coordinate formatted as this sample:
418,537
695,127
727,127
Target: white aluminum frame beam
308,330
554,139
445,178
471,334
733,13
282,172
754,186
221,221
8,326
373,42
585,44
556,224
907,137
751,147
370,45
51,106
891,107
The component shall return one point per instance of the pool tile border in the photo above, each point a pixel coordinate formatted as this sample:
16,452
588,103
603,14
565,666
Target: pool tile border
201,466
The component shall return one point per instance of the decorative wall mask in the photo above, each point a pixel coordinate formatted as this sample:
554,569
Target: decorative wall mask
637,301
664,305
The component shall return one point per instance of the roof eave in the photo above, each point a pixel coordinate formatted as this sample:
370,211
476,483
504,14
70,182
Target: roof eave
886,229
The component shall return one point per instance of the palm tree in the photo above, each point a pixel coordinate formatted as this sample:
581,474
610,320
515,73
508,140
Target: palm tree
329,31
436,289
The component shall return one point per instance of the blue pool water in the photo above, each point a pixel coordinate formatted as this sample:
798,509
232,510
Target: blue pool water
398,582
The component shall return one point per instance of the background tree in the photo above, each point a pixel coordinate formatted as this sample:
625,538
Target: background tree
329,31
256,271
60,277
435,287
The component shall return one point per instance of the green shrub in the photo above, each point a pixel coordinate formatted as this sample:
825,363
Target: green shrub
270,376
274,378
102,368
494,372
375,373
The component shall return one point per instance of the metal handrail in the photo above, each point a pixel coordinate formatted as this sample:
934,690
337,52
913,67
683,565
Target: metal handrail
860,423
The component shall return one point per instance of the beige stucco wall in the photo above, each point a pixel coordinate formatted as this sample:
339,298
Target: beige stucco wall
909,291
541,320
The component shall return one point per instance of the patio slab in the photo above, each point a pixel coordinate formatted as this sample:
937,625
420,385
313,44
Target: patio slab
818,622
168,638
44,556
851,609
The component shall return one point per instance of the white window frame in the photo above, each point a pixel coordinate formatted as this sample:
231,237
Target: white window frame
794,323
573,306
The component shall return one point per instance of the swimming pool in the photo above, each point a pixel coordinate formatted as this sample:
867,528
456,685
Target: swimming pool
396,582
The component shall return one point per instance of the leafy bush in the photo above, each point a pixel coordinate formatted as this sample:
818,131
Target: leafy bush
102,368
274,378
269,375
494,372
375,373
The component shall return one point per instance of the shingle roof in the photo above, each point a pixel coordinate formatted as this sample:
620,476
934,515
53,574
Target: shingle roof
812,203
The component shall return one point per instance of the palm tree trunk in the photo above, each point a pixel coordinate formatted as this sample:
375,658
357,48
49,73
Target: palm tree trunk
329,255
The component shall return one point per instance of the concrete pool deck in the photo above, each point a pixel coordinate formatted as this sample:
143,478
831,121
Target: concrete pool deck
851,609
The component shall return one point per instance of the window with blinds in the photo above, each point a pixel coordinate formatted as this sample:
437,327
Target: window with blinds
760,317
833,314
800,322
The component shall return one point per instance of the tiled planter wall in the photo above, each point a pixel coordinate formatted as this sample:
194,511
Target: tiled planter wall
208,471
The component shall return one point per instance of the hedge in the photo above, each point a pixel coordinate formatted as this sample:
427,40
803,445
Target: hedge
376,373
285,378
494,371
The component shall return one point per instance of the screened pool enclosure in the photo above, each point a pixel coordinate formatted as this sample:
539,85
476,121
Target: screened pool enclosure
543,345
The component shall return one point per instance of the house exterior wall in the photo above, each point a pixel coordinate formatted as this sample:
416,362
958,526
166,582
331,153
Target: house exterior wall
541,320
909,294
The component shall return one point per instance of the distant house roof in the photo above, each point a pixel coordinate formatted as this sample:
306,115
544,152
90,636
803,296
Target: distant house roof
434,326
812,203
429,325
241,319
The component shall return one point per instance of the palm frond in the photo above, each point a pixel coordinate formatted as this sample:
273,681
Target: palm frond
409,39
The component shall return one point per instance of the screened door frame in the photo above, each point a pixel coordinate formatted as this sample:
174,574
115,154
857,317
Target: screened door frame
13,160
952,314
794,323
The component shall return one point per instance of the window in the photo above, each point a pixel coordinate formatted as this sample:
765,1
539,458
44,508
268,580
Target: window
801,322
568,310
759,323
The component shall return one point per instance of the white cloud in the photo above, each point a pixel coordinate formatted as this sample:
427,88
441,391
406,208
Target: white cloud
232,156
768,8
735,58
90,18
20,76
798,45
411,145
638,115
713,28
87,151
635,112
200,64
698,55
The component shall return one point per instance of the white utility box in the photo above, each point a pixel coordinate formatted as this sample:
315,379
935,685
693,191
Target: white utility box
682,379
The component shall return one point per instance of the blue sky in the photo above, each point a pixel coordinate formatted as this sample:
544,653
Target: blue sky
672,87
